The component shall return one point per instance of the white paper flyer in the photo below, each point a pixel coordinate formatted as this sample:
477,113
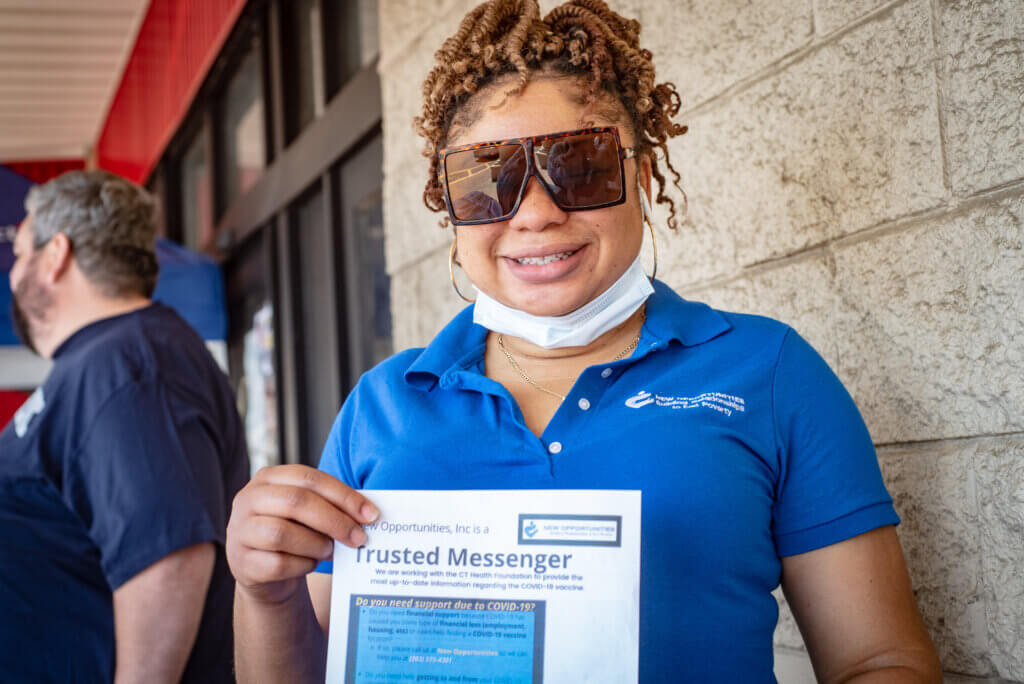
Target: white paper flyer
490,587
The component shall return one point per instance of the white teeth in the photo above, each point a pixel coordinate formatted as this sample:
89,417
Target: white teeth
540,261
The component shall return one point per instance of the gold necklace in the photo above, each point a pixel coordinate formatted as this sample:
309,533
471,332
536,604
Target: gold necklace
501,345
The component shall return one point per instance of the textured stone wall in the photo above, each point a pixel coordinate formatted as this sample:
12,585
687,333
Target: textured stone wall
855,168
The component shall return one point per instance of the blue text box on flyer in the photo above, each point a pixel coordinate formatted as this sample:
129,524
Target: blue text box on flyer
430,639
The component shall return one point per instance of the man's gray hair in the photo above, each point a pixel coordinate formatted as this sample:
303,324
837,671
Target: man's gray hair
110,222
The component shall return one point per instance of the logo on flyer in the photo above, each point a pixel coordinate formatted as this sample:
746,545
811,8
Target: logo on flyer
570,530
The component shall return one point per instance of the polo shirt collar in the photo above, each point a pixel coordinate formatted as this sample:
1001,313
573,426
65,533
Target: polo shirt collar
460,344
670,317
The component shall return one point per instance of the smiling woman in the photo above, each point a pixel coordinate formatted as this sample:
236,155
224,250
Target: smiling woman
574,369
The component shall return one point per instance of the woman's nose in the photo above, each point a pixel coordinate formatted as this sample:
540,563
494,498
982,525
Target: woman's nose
537,210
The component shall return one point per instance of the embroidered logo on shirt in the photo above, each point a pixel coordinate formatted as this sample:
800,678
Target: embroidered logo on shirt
723,403
35,404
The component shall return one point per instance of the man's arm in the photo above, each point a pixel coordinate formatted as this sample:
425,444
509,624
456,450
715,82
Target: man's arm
856,610
157,614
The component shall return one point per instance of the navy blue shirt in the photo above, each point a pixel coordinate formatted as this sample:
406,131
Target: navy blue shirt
130,450
745,445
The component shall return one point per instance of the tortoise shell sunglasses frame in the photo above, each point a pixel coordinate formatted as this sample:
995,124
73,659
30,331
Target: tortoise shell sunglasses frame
528,143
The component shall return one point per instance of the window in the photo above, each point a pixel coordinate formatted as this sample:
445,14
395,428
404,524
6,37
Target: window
243,127
352,41
196,193
368,286
316,324
304,80
251,347
157,185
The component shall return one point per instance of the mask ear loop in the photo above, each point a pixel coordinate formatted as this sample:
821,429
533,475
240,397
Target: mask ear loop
451,274
648,212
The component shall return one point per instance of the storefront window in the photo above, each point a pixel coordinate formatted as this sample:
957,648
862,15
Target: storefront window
353,41
304,66
196,193
258,390
368,282
251,347
243,128
317,335
157,185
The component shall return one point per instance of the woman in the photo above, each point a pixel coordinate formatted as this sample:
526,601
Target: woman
572,371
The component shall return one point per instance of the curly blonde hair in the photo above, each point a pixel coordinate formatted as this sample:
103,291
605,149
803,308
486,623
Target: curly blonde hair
581,39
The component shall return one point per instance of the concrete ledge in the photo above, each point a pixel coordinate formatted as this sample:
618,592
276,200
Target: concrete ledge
793,667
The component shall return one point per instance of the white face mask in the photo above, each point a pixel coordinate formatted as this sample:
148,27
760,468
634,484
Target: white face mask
581,327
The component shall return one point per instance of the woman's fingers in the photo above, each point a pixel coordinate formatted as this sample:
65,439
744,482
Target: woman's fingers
268,567
268,533
283,522
342,496
308,508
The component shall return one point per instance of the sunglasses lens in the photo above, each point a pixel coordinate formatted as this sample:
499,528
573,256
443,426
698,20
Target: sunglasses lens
581,170
484,182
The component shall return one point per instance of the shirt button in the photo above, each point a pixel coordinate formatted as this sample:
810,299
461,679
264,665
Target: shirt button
555,447
606,373
584,404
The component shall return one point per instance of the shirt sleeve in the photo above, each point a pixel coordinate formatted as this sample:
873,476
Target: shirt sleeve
146,481
830,486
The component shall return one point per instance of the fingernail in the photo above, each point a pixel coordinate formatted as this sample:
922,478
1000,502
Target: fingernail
328,552
357,536
369,512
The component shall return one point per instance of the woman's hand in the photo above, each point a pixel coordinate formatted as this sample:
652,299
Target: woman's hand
283,524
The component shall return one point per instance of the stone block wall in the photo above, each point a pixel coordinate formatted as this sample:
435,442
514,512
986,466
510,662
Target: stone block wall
854,168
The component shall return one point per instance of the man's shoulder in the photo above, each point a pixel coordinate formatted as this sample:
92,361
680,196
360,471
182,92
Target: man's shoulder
151,348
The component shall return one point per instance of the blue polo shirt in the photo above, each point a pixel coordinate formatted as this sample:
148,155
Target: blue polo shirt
744,443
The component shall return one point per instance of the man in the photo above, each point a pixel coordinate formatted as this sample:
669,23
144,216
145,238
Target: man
117,475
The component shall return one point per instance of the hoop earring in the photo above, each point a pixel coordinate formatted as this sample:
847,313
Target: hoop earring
451,274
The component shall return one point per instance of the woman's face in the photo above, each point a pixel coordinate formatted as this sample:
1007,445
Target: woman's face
594,247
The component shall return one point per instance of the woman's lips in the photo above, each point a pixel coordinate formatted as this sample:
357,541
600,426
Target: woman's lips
545,272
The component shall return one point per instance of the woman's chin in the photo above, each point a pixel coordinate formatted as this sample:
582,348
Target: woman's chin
555,302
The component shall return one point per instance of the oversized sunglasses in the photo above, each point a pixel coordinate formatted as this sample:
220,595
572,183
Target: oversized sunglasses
583,169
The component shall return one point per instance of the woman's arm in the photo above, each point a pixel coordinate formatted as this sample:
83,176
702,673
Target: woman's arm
278,642
855,608
282,525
